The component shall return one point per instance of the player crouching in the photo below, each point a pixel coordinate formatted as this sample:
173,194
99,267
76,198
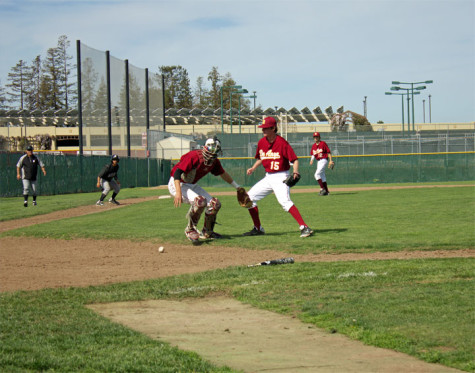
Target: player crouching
182,186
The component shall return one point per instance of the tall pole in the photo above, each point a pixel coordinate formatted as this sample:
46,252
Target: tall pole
221,94
254,94
231,110
109,103
364,107
430,115
78,65
412,94
408,115
424,110
402,110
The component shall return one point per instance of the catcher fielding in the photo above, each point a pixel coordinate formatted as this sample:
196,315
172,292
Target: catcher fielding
275,154
182,186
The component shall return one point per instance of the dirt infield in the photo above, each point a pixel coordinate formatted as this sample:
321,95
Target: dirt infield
31,264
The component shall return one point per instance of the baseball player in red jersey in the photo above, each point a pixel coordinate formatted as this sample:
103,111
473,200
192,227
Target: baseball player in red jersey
182,186
275,154
322,153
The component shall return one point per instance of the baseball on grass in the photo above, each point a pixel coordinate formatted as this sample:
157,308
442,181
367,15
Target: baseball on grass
161,249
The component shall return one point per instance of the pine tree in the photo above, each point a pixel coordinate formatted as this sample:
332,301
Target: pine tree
177,87
88,81
51,89
215,93
65,68
3,98
33,84
16,86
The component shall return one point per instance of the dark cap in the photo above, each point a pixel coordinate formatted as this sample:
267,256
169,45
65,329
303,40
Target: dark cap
29,147
268,122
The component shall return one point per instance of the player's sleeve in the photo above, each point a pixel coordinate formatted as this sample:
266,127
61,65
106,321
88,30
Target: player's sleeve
217,168
20,161
290,154
103,171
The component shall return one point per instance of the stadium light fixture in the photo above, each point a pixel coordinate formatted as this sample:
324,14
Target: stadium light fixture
239,110
221,94
238,90
412,92
402,107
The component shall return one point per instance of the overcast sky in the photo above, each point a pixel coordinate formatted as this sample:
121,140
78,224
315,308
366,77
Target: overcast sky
293,53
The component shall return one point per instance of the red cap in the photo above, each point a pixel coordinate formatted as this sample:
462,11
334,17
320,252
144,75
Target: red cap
315,134
268,122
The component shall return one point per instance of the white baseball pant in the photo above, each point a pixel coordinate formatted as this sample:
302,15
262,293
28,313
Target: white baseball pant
320,173
188,191
272,182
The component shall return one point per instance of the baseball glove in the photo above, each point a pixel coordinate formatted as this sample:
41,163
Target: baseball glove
243,198
292,179
331,165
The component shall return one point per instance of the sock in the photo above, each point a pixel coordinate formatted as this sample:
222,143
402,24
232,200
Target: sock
114,195
321,183
296,215
34,198
102,197
254,212
25,197
325,186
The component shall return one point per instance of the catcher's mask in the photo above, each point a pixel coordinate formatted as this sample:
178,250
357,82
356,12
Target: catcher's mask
115,157
211,149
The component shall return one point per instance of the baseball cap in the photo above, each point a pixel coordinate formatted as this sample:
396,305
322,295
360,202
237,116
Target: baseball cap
268,122
315,134
29,147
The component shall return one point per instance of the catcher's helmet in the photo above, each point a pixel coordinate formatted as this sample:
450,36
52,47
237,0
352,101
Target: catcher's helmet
316,134
211,149
115,157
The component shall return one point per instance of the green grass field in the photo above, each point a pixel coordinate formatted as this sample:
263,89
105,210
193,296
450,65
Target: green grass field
422,307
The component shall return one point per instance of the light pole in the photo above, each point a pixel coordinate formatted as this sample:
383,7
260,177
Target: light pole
412,93
239,91
253,96
430,115
424,110
221,94
402,106
364,106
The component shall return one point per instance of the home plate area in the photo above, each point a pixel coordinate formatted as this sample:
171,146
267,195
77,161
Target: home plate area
228,332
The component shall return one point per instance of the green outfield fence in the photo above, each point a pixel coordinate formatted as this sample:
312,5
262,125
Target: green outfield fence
74,174
367,169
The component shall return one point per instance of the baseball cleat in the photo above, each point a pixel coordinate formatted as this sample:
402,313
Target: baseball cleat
100,203
323,192
34,203
255,232
25,204
209,235
113,200
305,232
193,235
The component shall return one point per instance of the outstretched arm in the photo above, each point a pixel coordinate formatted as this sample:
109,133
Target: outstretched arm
253,168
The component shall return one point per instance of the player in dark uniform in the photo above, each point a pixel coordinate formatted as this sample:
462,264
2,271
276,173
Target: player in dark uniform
182,186
275,154
108,179
27,171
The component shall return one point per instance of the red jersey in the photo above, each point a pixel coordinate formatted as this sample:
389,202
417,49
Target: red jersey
277,156
193,166
321,150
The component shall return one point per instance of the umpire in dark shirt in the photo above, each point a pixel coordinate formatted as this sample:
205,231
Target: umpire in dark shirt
27,170
108,179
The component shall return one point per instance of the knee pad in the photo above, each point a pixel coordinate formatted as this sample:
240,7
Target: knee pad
199,203
213,206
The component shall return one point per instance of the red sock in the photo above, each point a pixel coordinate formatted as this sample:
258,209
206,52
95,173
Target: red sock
255,217
321,183
325,186
294,211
